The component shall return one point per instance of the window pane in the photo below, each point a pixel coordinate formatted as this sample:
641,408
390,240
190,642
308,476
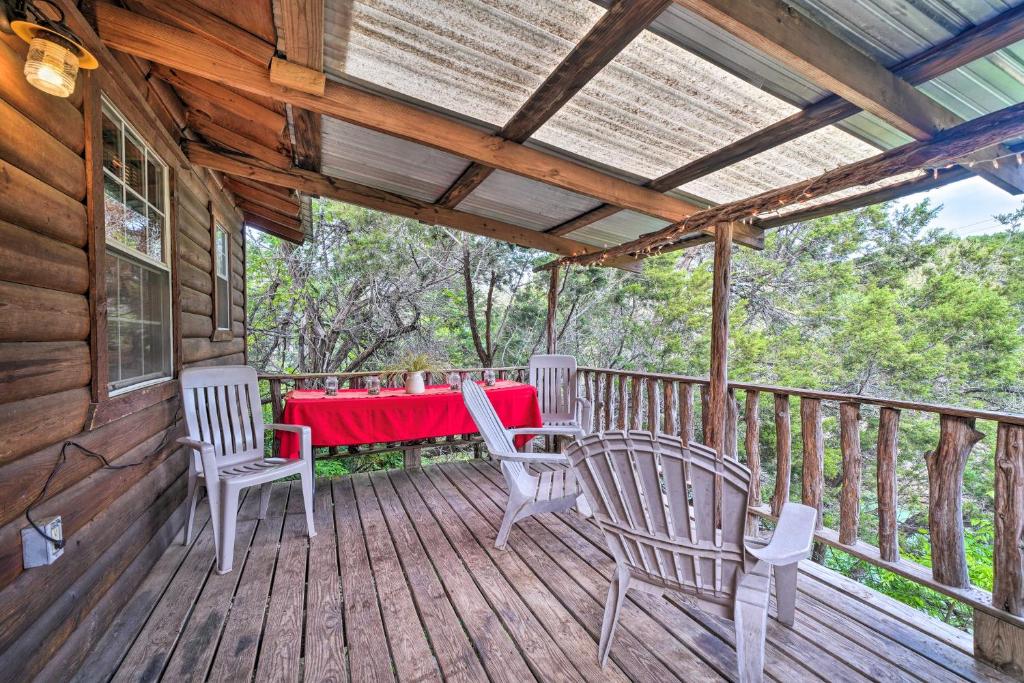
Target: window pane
135,162
223,304
155,184
136,225
156,343
139,321
112,145
155,236
222,253
113,324
113,208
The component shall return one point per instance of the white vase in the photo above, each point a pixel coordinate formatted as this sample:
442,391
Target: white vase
414,383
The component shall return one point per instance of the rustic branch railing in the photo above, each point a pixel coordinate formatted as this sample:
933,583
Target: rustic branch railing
278,386
635,399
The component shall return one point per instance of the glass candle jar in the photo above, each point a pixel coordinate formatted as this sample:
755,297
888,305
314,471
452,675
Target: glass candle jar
373,385
489,378
454,381
331,386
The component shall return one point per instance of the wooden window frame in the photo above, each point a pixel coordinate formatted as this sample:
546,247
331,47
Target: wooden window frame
218,223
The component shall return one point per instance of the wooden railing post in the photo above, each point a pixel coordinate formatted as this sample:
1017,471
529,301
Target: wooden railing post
686,412
608,400
812,477
621,417
783,452
635,392
668,408
957,436
752,445
849,444
652,405
705,412
888,536
732,419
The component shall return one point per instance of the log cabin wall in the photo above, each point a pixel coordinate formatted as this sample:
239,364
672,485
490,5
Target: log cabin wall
52,318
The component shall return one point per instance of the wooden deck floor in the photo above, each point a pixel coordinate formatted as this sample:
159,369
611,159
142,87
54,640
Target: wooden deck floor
402,581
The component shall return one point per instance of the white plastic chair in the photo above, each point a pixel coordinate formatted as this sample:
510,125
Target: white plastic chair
554,376
528,494
674,518
225,427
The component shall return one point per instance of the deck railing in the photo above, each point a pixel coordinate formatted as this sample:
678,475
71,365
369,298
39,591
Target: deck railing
677,404
668,403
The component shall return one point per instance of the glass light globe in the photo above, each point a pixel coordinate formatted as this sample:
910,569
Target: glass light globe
51,67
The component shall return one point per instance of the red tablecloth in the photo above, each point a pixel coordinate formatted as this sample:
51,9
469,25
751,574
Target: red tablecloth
353,417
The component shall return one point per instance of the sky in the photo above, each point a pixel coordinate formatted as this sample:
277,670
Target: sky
969,206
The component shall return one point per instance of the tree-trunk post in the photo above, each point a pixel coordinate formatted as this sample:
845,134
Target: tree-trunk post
718,390
783,452
957,436
888,537
668,408
812,475
752,445
732,421
849,444
622,418
652,405
705,412
636,415
552,309
686,412
609,408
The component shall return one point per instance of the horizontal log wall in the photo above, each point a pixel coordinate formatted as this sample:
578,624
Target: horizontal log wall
116,521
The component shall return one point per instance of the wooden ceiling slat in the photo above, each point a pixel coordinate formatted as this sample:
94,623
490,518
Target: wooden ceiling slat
609,36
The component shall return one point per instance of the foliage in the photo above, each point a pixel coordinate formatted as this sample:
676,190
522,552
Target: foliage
416,361
873,302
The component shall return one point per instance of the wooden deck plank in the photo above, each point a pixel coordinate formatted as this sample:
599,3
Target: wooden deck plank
635,658
579,646
281,648
695,639
325,622
150,652
498,652
240,639
545,658
412,655
368,655
451,643
107,653
197,642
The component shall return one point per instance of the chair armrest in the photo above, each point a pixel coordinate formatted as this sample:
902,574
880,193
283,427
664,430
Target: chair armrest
546,431
586,414
793,536
207,456
539,458
305,437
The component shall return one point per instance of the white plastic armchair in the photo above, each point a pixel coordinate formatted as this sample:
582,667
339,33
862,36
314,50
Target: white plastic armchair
674,518
226,428
528,494
555,378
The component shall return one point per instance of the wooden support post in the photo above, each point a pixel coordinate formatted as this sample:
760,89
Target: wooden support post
608,407
849,444
552,309
888,537
783,453
686,412
752,444
652,405
668,408
636,412
995,640
276,411
705,412
412,458
957,436
718,389
813,439
621,418
732,420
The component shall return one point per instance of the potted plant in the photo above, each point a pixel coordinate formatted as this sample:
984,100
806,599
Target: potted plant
414,364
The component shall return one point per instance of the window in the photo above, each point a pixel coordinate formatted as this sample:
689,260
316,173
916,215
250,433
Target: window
222,307
138,277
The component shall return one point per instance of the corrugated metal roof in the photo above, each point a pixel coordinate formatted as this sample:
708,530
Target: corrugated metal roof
680,91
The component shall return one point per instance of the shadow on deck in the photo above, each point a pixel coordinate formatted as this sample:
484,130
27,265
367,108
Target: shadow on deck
403,581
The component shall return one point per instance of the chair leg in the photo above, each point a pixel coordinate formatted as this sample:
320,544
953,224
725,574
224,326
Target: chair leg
750,615
512,511
264,499
612,608
307,499
213,499
785,592
229,517
193,499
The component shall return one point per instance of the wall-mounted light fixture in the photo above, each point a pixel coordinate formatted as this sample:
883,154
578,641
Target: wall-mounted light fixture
55,53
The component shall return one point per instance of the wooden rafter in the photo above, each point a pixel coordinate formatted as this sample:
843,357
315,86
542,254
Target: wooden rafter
273,228
302,23
223,137
945,148
185,51
262,196
995,34
623,21
317,184
818,55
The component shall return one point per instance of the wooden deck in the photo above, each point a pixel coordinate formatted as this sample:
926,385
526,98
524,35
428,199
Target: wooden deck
403,582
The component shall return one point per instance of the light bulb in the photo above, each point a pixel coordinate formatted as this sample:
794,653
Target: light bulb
51,67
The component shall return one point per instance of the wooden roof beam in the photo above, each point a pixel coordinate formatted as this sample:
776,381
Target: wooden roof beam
818,55
976,42
302,24
317,184
257,195
273,228
623,22
221,136
178,49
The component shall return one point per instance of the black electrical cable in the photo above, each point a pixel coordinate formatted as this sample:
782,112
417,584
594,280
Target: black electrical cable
62,458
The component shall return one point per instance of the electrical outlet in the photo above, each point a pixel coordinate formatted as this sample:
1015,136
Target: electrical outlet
39,551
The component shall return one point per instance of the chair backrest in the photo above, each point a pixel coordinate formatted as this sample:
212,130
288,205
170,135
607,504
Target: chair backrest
496,437
554,376
673,513
222,407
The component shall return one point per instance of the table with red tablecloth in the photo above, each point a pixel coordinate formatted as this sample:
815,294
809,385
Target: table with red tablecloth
352,417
